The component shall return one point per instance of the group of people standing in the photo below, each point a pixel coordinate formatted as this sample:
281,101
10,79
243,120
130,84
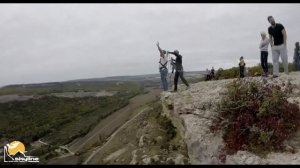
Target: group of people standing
210,74
277,39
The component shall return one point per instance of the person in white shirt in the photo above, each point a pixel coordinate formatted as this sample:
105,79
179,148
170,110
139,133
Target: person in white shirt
263,46
163,64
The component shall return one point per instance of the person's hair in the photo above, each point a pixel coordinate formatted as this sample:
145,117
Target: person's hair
269,17
241,57
297,43
263,33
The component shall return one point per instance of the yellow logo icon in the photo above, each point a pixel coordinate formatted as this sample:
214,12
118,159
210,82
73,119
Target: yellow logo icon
15,147
15,152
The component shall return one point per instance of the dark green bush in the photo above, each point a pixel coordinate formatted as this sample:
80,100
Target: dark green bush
252,71
228,73
167,124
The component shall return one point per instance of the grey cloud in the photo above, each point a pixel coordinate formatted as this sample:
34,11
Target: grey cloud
57,42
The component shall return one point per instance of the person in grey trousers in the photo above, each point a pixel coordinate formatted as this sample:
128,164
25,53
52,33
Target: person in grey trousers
278,37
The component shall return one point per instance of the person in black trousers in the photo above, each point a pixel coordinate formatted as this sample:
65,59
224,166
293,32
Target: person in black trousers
179,70
242,65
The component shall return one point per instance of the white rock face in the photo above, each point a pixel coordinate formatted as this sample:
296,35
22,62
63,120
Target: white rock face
134,158
147,160
142,141
156,158
179,159
159,139
244,157
193,110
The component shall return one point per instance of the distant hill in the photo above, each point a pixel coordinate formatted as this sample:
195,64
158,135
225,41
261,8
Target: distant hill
152,78
136,77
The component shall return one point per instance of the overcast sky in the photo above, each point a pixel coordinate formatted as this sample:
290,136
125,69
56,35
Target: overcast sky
58,42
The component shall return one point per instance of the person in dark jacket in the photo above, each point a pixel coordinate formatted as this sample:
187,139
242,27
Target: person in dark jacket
242,65
179,70
297,56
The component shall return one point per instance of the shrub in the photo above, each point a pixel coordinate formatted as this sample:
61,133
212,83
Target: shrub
167,125
252,71
228,73
256,116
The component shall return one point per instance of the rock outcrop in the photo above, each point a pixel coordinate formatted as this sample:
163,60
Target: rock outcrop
192,111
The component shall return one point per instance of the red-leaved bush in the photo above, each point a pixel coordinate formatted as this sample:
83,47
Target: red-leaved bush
256,116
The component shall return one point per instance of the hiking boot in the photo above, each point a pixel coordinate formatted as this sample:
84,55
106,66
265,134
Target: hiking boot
275,76
264,74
